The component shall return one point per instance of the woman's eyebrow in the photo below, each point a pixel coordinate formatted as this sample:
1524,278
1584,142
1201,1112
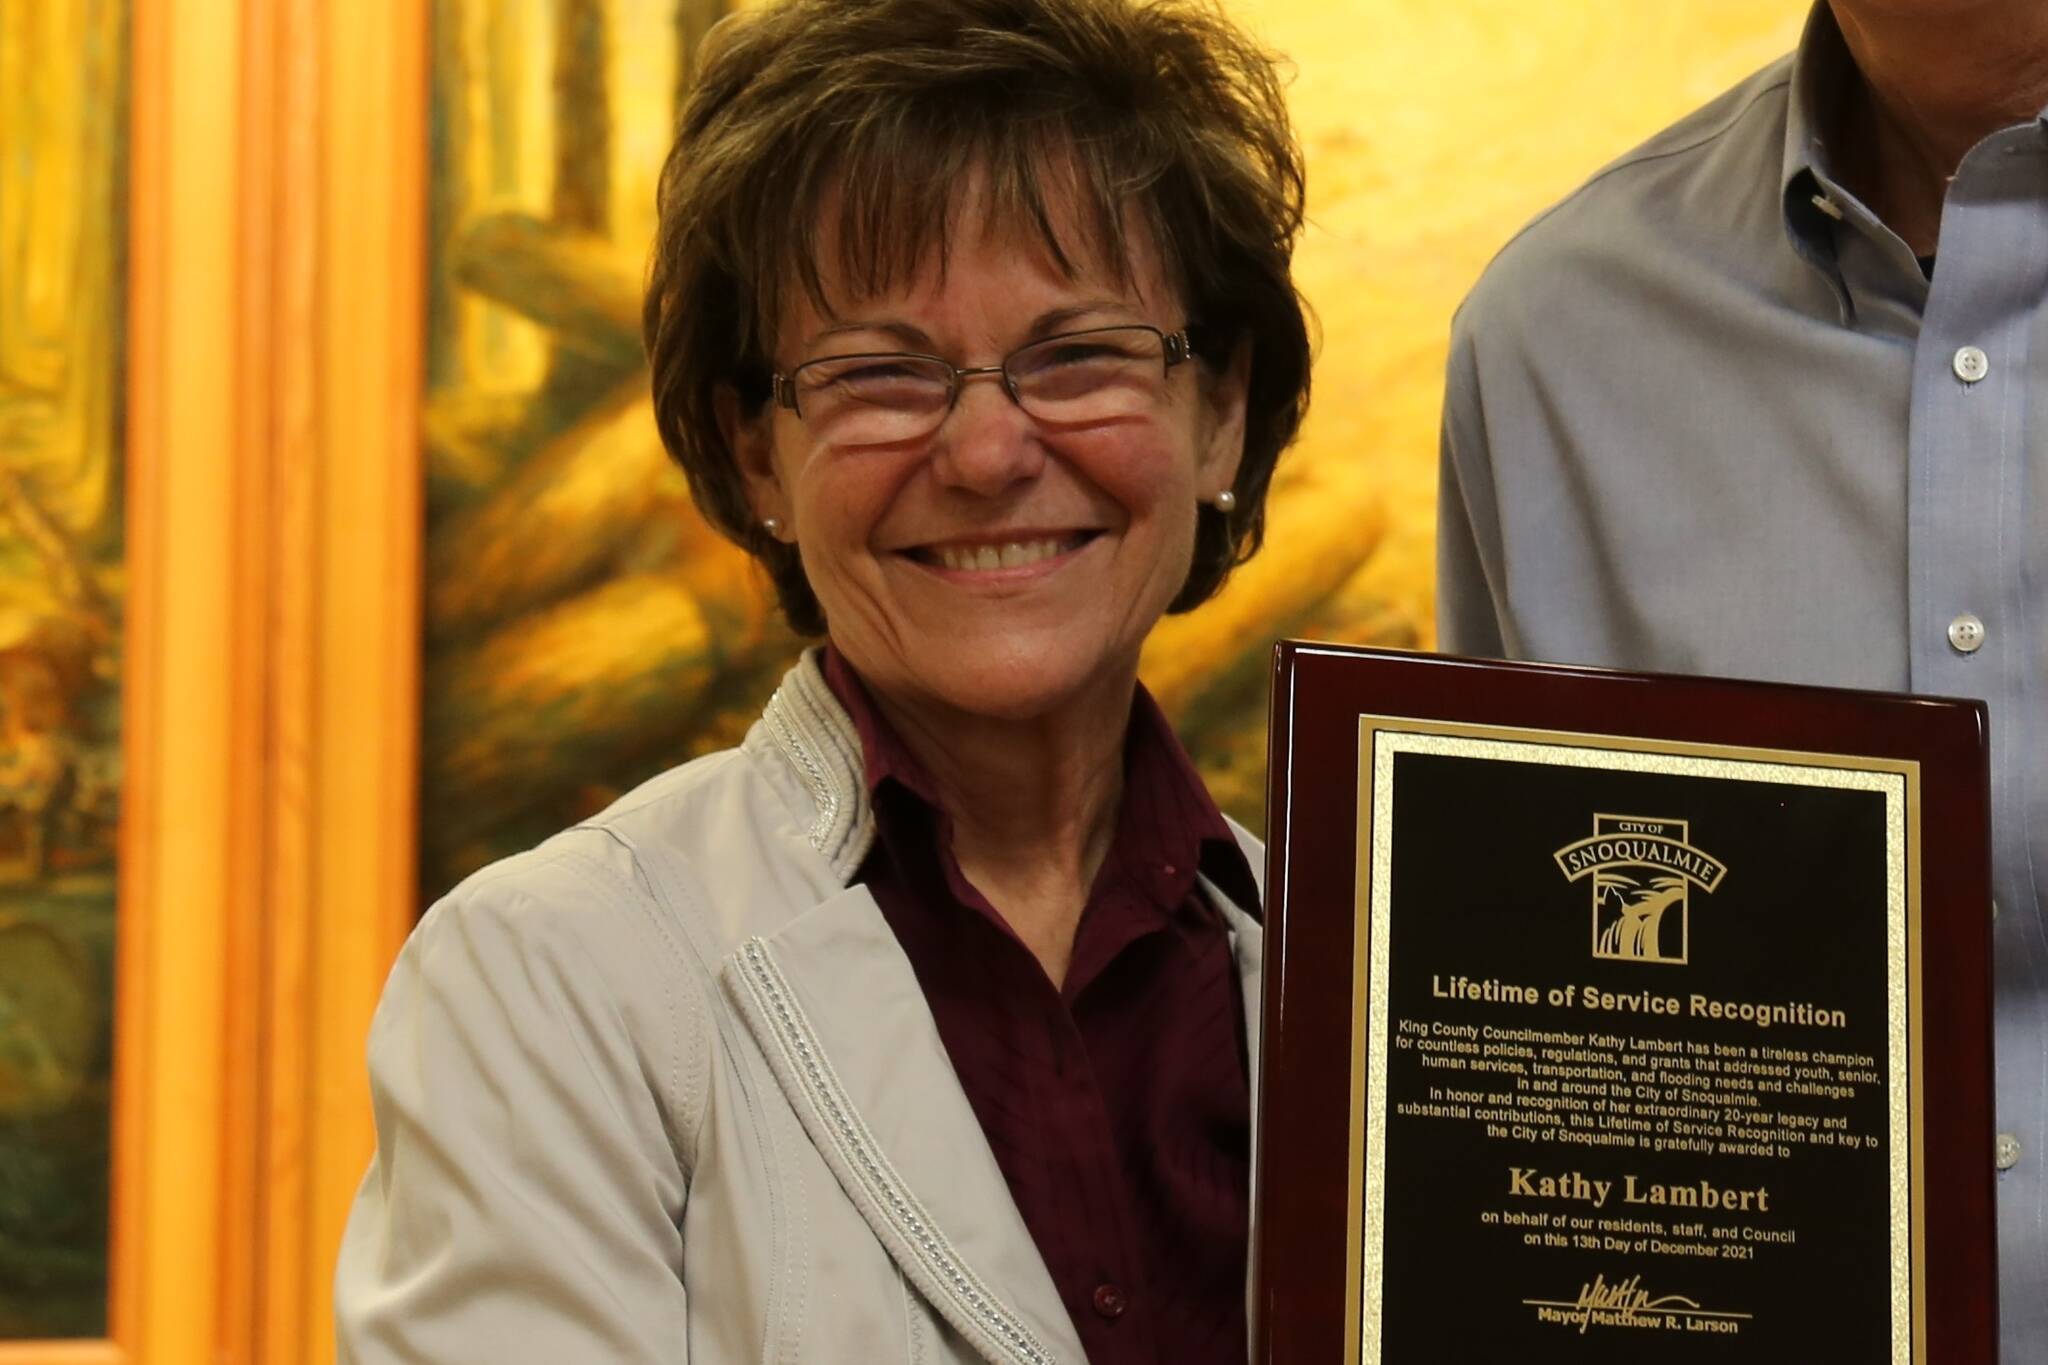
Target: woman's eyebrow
1056,319
902,331
916,338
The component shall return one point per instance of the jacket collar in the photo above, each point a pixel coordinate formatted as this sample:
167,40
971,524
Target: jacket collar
809,732
806,727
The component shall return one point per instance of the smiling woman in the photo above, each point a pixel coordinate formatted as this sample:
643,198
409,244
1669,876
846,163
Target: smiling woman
834,152
921,505
920,1025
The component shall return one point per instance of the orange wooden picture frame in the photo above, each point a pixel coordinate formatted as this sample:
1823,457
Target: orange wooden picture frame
276,233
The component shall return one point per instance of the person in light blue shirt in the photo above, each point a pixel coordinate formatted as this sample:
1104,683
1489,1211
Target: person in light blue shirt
1768,397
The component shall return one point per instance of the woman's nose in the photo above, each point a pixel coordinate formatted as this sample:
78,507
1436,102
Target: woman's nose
987,443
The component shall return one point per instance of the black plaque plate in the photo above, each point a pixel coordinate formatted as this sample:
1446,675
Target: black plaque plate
1612,1017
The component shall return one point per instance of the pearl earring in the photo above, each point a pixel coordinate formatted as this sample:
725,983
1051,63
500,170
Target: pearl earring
1224,502
773,526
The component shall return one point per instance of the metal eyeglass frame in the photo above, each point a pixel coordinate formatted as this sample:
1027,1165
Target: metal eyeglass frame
1174,344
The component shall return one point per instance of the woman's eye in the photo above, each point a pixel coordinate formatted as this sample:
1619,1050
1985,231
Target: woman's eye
878,381
877,374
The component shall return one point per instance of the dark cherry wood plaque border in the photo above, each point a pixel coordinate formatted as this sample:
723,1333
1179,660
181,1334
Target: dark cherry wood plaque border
1319,693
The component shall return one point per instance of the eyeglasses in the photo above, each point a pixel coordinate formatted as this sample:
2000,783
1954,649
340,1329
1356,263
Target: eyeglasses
1097,375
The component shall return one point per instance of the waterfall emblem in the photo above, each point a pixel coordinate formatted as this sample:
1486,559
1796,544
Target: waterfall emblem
1642,868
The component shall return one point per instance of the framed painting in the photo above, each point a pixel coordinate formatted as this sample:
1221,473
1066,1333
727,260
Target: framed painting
63,200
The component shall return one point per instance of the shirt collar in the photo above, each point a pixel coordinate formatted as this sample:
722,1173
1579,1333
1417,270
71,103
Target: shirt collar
1821,71
1153,760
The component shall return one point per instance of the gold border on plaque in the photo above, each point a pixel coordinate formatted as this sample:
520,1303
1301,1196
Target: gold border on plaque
1898,781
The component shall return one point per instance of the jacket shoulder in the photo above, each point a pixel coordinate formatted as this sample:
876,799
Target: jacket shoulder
722,846
642,886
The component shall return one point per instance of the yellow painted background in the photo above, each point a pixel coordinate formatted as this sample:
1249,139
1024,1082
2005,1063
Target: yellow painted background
585,632
1433,132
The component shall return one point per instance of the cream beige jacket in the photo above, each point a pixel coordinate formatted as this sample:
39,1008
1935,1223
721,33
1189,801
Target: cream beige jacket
665,1089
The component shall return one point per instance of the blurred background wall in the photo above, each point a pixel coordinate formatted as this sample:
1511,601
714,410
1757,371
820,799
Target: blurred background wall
348,310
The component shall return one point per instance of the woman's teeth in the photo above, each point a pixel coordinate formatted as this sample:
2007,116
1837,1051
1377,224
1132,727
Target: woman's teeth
981,557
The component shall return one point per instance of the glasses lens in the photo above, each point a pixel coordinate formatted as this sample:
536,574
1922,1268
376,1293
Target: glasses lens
1091,376
871,399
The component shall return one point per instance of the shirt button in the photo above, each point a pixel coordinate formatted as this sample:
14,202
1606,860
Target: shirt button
1972,364
1110,1301
1966,633
2006,1151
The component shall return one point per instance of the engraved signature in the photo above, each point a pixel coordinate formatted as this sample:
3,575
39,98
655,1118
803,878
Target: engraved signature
1624,1298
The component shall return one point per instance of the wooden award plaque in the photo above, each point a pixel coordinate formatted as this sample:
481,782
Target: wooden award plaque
1612,1017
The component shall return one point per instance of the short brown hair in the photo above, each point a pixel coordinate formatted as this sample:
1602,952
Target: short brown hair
1157,109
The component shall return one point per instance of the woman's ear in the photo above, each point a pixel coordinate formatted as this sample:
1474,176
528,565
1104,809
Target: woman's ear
1224,396
750,436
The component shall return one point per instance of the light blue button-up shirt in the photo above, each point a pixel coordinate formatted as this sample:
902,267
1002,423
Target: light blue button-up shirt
1709,415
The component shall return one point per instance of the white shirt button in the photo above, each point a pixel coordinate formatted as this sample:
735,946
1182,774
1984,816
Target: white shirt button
1966,633
2006,1151
1972,364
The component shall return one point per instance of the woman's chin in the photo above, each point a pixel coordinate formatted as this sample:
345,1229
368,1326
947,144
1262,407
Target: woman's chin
1021,686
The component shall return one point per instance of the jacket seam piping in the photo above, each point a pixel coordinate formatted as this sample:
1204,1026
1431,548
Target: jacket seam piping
793,1034
822,791
807,725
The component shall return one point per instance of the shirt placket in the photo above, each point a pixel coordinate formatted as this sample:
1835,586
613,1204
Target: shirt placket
1114,1320
1978,474
1112,1323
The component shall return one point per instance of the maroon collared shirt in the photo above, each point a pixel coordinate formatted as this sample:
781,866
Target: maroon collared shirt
1116,1103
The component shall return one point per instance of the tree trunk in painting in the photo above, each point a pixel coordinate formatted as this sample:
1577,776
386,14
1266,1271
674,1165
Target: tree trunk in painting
533,726
583,117
608,477
568,280
694,19
448,189
584,113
